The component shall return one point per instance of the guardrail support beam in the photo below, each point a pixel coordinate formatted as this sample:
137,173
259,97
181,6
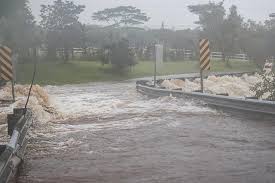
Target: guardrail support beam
12,121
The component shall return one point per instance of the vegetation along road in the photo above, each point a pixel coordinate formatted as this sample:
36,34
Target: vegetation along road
87,71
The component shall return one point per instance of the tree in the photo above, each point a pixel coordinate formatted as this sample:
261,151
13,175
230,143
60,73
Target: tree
122,15
265,48
231,32
18,30
266,87
8,7
121,56
253,41
84,38
270,37
211,22
61,22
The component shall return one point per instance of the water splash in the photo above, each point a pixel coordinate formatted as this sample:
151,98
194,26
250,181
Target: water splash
39,102
107,105
113,100
234,86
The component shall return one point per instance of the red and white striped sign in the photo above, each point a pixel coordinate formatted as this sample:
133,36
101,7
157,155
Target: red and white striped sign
5,64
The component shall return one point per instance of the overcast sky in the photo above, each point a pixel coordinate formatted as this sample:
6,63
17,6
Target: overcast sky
173,12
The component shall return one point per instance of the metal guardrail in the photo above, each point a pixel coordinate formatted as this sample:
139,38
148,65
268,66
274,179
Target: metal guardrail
12,154
192,77
243,104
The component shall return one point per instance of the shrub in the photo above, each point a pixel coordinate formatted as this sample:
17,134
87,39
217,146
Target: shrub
266,87
121,57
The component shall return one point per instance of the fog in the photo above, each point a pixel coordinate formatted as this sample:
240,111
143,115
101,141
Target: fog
173,12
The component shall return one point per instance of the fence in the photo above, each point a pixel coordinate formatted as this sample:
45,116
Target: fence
240,57
216,55
188,54
219,55
184,54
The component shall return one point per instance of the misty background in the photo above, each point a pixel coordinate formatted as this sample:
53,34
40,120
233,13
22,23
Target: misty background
174,13
115,39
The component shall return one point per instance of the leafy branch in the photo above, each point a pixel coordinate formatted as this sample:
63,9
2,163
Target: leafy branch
265,87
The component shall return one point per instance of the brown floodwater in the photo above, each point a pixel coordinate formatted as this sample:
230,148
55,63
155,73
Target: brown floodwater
111,134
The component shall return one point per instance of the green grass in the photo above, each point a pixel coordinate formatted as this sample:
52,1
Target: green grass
83,71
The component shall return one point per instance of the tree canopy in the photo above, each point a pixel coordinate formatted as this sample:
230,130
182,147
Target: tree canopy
232,28
222,30
211,21
121,56
17,29
60,15
61,22
61,29
8,7
122,15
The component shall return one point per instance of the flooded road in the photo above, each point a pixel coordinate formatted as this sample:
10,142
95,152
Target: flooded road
112,134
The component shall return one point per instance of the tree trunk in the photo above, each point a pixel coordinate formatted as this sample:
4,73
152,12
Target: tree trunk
51,53
223,56
72,50
66,54
228,62
35,52
85,50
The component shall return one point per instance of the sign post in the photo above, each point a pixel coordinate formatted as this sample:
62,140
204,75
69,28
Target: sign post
202,87
6,68
158,61
204,58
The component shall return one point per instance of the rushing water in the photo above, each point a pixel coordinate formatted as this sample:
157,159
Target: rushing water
110,133
231,85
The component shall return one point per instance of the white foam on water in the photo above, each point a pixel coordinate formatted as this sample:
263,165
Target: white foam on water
125,124
38,103
169,104
61,111
68,143
95,107
85,104
88,102
109,106
232,85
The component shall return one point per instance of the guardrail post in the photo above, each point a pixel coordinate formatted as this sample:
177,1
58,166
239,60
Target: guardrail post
12,121
2,149
19,112
14,118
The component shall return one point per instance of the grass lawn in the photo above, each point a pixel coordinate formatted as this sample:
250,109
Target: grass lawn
84,71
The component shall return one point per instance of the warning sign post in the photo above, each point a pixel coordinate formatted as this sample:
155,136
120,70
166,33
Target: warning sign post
204,58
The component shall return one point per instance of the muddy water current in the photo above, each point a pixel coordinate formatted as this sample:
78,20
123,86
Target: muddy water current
110,133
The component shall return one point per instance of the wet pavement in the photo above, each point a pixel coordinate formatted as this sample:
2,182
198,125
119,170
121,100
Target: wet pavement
113,134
